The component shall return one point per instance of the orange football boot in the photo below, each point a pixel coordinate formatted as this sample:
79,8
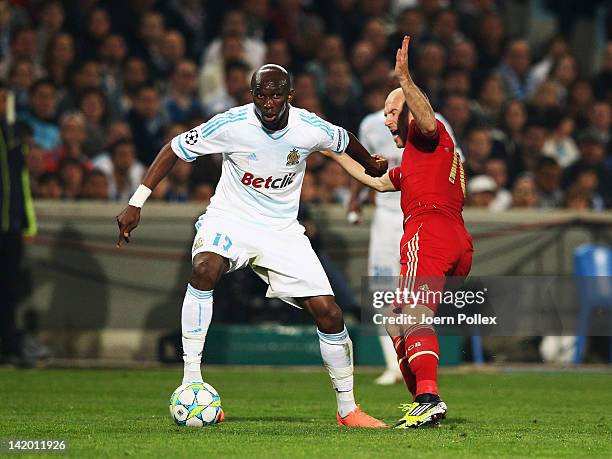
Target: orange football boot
358,418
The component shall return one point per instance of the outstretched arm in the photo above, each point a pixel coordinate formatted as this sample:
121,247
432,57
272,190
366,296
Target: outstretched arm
418,103
357,171
129,217
358,152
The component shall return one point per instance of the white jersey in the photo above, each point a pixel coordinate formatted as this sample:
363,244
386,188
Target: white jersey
262,170
377,139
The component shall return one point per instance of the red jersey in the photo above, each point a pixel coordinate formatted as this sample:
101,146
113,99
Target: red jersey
431,176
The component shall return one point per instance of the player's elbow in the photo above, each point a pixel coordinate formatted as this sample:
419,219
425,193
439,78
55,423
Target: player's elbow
428,127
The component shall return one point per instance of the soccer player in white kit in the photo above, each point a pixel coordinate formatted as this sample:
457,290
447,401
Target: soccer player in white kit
251,220
387,227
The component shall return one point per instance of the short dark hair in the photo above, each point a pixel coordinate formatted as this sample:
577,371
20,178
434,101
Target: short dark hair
545,161
42,82
236,65
119,143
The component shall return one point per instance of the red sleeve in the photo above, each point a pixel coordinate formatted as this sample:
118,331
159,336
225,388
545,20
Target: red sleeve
420,140
395,175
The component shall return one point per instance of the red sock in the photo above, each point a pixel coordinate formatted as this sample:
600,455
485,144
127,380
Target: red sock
422,354
402,361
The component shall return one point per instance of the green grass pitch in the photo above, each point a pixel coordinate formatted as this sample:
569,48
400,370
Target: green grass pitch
290,413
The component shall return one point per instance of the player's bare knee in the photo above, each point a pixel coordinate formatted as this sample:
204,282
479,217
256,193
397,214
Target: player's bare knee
207,270
329,319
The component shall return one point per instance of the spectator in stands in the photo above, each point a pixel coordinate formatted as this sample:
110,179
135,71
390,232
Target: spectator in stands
512,124
147,123
51,23
84,75
556,47
445,28
113,52
59,57
430,67
23,47
122,169
99,26
374,32
515,69
547,179
491,98
560,145
95,186
178,182
490,41
135,73
479,146
524,192
277,52
73,135
181,101
334,184
234,25
71,174
212,76
21,77
592,156
150,37
579,102
587,180
340,103
49,187
173,50
236,81
600,120
545,101
565,72
481,191
497,169
42,115
535,136
463,55
456,110
92,104
11,19
602,84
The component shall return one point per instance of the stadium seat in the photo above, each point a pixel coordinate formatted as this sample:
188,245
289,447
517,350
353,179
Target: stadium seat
592,260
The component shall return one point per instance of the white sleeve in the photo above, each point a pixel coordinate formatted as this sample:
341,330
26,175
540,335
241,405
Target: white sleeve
205,139
328,136
364,137
450,131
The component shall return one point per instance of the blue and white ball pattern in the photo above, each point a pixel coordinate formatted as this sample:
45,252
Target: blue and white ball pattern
195,404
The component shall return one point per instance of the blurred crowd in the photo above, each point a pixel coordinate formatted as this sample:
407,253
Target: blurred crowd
101,86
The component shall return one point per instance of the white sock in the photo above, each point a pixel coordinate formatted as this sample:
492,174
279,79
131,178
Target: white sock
386,343
195,319
337,354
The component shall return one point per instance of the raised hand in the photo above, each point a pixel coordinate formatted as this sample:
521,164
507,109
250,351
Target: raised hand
127,220
401,60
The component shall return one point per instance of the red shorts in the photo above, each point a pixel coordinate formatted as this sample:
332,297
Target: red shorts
434,247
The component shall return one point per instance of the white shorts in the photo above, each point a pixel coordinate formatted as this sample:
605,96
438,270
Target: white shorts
385,236
284,259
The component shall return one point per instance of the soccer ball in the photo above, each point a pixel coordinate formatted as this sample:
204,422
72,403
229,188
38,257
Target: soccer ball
195,404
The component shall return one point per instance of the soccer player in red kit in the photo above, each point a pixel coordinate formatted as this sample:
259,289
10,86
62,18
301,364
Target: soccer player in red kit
435,243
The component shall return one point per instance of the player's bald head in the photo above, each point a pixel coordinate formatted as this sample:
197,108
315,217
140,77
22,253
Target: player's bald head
395,99
271,75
